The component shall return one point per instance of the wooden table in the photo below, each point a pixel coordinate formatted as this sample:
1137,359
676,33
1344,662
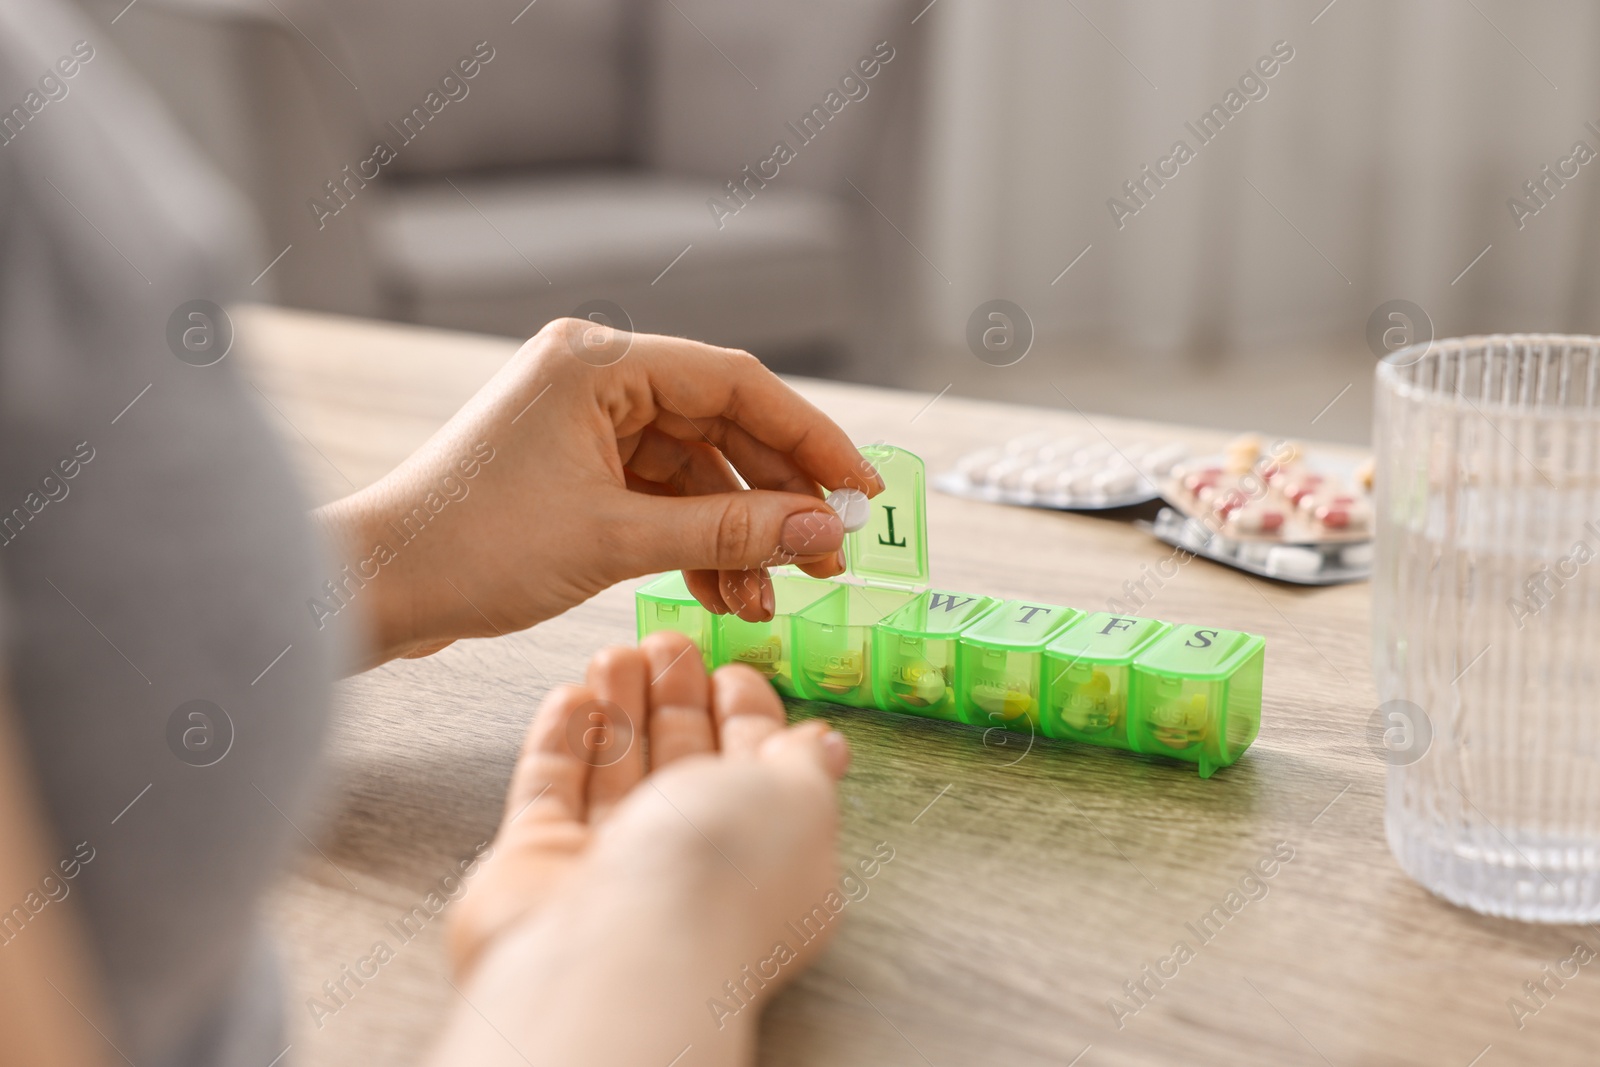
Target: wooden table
1027,886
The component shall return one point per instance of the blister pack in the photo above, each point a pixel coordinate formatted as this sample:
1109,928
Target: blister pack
1072,473
1273,511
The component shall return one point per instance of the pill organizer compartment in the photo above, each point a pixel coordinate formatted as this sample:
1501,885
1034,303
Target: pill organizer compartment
1087,674
1000,664
665,603
888,568
914,653
833,643
766,646
1196,696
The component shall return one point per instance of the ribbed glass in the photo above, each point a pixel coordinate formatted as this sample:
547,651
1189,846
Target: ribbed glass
1486,616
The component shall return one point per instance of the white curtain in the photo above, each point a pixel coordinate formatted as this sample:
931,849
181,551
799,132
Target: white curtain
1377,165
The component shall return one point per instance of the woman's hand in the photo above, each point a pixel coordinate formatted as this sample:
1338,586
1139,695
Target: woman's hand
621,894
594,456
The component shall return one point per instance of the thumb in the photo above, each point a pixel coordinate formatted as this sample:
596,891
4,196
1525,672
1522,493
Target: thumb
740,530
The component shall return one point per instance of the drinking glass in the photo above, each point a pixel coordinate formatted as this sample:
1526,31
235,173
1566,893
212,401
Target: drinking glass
1486,620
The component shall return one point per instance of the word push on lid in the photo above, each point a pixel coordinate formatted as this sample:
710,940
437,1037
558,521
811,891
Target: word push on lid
881,638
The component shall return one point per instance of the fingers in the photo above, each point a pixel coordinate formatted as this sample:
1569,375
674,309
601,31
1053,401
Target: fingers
550,781
706,587
733,531
747,710
566,773
695,468
760,467
680,699
620,680
827,567
813,745
691,468
693,381
748,593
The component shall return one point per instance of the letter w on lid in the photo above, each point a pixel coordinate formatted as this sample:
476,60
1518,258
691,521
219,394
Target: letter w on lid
948,602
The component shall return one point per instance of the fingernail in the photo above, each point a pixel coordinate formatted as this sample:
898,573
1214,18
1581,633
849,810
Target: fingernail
740,592
838,750
811,533
871,481
769,606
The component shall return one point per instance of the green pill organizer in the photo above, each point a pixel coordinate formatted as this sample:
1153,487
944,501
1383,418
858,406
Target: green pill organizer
880,638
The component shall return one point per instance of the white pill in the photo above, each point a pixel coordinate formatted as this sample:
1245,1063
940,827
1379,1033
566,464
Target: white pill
1040,477
1116,482
1094,453
1061,448
1162,461
1255,552
851,506
1293,561
972,466
979,476
1005,473
1357,555
1078,482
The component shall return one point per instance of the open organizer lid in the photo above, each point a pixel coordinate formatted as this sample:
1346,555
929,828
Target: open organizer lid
892,548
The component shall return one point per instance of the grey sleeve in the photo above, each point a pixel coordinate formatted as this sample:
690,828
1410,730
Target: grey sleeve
155,557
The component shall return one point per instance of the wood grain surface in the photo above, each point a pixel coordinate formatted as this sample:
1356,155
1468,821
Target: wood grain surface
1028,884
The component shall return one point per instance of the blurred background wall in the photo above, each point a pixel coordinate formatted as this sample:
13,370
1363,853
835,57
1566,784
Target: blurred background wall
939,155
1376,166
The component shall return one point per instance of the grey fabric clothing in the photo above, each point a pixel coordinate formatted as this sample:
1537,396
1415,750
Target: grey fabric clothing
173,564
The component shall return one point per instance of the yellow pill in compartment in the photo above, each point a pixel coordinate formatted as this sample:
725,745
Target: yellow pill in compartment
1181,721
1090,706
766,656
843,672
1002,701
919,684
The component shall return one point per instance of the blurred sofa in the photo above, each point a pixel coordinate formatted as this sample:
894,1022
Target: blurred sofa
474,166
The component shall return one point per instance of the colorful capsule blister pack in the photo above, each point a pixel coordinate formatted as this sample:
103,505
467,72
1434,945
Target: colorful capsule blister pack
881,638
1079,473
1269,511
1272,494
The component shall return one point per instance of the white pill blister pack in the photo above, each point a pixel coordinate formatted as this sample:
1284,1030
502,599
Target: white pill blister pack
1072,473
